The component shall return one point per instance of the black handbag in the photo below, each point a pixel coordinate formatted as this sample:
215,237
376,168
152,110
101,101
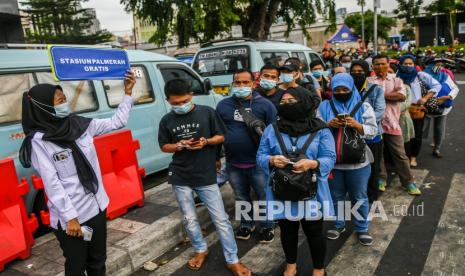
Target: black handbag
288,185
432,106
254,125
350,146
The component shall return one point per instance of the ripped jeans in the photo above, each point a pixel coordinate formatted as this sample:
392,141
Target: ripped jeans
210,195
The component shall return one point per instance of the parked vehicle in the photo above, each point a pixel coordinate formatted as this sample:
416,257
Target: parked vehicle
22,69
218,60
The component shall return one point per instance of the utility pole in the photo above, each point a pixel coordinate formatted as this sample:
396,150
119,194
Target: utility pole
363,23
437,30
134,30
376,5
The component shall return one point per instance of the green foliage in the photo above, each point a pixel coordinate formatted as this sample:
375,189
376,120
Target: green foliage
354,21
408,10
61,21
408,32
437,49
205,20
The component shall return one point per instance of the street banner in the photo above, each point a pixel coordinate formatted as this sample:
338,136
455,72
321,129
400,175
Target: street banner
85,63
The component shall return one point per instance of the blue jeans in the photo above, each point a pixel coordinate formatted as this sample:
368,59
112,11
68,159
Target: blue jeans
211,197
241,180
355,183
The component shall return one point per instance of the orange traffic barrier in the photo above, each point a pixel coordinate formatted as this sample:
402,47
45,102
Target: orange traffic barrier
16,227
39,185
121,174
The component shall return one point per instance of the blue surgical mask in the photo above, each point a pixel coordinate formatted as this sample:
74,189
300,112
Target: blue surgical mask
182,109
318,73
346,65
241,92
267,84
62,110
286,78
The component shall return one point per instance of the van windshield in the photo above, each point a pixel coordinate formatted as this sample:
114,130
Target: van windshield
222,61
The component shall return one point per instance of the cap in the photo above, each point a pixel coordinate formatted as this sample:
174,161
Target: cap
289,66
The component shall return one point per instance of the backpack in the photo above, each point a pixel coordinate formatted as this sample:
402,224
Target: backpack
350,146
288,185
254,125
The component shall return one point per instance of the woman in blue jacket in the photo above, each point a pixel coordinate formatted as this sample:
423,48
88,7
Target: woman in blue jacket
350,178
297,121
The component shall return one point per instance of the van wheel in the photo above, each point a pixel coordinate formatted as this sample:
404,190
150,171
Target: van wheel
39,205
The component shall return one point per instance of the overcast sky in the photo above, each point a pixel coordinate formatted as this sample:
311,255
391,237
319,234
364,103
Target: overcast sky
113,17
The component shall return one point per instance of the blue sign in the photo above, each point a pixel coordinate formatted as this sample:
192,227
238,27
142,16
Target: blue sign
70,63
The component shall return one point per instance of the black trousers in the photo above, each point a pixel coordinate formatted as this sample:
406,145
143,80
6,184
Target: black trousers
82,256
415,143
373,191
316,240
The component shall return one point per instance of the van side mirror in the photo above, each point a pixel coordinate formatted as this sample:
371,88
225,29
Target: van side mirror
207,85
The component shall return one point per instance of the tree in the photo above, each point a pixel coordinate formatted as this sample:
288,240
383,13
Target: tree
362,3
408,32
204,20
450,8
61,21
354,21
408,10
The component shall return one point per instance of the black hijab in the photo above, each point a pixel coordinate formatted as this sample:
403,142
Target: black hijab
299,119
359,81
38,116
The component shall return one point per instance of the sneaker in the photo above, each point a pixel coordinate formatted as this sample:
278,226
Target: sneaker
244,233
267,236
413,163
365,238
335,233
437,154
382,185
412,189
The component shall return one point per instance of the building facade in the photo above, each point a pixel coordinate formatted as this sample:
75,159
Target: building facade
10,22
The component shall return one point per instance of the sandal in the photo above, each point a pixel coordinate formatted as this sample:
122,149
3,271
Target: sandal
239,269
199,259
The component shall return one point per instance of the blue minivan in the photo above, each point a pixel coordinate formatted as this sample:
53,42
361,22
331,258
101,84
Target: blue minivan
22,69
218,60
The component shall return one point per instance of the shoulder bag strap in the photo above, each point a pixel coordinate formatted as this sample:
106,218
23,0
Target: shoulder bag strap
333,107
364,97
280,140
310,139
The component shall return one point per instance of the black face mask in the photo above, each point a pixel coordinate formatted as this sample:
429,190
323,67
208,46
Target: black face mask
359,80
292,112
343,97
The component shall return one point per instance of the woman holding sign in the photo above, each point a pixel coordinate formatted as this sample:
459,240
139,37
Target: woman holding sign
59,145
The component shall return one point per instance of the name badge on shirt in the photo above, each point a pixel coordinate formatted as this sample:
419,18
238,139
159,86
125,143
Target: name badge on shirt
61,156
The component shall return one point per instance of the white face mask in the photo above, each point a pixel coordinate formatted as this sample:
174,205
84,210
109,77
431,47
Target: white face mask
62,110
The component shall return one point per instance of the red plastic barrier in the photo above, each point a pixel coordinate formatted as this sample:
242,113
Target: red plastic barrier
39,185
121,173
16,227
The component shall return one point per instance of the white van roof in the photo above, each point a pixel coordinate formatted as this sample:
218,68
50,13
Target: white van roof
260,45
39,58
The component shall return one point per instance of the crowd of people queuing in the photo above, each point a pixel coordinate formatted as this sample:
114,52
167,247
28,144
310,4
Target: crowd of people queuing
330,135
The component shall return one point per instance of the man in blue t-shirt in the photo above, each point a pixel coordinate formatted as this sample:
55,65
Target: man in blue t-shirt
241,148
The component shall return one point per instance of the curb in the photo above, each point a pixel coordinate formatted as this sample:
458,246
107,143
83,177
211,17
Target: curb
129,254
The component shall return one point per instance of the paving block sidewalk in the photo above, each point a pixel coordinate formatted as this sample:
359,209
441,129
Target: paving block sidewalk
141,235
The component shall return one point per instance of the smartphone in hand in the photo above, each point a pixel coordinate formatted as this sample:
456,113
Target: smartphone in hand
342,116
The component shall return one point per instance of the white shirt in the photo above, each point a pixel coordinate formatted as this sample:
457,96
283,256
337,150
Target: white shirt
67,198
431,84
